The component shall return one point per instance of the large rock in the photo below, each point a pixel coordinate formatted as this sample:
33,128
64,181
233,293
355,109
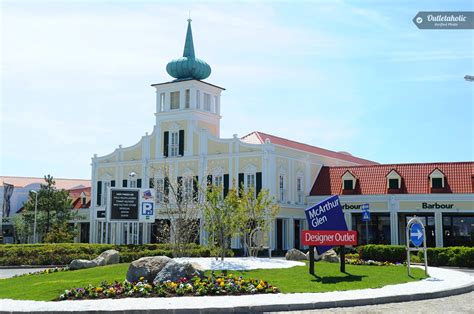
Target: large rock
147,267
317,257
330,256
108,257
175,270
295,255
81,264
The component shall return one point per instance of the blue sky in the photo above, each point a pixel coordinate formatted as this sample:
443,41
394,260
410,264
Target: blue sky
343,75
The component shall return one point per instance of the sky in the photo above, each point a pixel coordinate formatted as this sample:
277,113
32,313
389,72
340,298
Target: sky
355,76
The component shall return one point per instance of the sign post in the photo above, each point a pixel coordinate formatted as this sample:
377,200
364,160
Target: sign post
366,218
327,229
415,234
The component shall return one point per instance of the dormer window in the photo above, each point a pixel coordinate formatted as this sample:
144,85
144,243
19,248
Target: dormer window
83,199
394,180
393,184
437,183
348,181
348,184
437,180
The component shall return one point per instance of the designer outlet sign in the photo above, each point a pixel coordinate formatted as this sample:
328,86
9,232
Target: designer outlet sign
327,216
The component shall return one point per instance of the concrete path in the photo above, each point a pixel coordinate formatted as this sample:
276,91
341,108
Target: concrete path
10,272
443,282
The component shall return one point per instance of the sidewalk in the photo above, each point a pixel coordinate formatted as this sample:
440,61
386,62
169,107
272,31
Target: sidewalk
443,282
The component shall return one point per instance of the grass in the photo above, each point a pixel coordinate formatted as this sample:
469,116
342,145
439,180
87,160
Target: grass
47,287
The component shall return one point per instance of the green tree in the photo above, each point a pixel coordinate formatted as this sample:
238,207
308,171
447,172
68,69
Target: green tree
255,213
221,219
53,213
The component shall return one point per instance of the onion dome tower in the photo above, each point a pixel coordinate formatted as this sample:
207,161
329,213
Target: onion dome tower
188,66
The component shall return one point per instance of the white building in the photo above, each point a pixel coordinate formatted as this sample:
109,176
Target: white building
186,137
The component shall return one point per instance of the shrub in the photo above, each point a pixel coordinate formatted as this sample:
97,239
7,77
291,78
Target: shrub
64,253
383,253
458,256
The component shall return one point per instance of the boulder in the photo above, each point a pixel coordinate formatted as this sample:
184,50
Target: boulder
176,270
147,267
330,256
108,257
295,255
81,264
317,257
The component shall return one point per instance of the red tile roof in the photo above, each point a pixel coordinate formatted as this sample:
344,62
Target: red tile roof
66,184
260,137
459,178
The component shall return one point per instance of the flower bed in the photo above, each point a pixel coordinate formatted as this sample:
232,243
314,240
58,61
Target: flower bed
357,261
196,286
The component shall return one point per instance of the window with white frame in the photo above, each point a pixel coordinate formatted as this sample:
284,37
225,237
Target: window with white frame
174,100
159,190
198,99
282,191
188,188
174,144
249,181
132,183
299,190
187,98
216,104
207,102
218,180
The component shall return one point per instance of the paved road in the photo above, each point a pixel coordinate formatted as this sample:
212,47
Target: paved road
463,303
10,272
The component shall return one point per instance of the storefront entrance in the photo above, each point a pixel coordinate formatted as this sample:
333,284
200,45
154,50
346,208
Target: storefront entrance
427,220
378,227
458,230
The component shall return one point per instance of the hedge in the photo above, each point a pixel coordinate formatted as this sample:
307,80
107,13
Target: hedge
64,253
458,256
383,253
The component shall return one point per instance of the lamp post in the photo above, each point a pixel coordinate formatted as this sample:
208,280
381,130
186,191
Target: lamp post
36,208
132,175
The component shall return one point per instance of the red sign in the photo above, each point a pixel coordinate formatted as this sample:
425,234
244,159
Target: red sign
328,237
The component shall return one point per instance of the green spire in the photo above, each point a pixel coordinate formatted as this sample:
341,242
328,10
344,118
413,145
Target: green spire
188,45
188,66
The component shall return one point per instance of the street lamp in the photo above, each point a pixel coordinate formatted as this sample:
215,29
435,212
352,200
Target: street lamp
36,208
132,175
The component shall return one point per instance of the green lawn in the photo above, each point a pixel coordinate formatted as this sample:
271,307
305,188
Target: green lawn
296,279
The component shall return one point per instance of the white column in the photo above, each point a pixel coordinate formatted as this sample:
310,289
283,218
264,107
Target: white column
438,216
393,206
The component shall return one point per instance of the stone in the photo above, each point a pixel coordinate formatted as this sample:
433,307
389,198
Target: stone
330,256
81,264
295,255
147,267
108,257
317,257
174,271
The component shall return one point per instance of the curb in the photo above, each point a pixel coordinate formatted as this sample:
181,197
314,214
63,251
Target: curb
30,266
283,307
307,304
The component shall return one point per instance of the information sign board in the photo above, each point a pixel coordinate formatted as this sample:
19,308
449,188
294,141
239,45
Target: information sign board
124,204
